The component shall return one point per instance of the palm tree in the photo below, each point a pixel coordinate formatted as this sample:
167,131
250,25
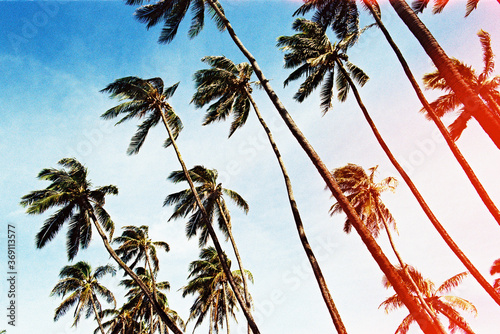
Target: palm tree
444,304
479,110
171,13
148,98
213,295
82,285
311,48
230,85
135,243
485,85
439,5
211,194
365,196
140,305
82,207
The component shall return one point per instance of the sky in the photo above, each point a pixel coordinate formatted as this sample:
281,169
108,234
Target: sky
56,56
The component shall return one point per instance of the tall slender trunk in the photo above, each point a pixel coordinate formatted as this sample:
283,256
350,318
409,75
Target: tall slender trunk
465,166
237,254
470,99
325,292
210,229
153,286
97,317
420,315
226,306
451,144
404,267
161,312
435,222
387,151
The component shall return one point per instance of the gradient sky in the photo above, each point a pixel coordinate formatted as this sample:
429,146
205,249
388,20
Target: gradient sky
56,56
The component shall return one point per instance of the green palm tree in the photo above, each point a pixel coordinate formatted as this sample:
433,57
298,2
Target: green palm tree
479,110
230,85
82,207
171,13
135,244
82,286
141,306
211,194
484,84
148,98
446,305
213,295
439,5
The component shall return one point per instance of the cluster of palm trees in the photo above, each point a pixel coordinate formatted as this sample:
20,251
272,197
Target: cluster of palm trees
227,88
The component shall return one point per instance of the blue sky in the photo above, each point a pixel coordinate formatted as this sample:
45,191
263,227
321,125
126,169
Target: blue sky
56,56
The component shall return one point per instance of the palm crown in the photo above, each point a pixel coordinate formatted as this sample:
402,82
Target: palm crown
172,12
227,83
484,84
364,194
446,305
82,285
70,190
314,56
144,98
211,194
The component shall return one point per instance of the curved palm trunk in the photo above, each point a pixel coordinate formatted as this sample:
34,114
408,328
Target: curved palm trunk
421,316
404,266
451,144
465,166
238,257
159,310
435,222
471,101
211,231
325,292
97,315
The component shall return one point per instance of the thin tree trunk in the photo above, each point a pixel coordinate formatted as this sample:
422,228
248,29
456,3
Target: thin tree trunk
226,307
471,101
420,315
465,166
211,231
163,315
325,292
97,315
237,254
153,288
404,266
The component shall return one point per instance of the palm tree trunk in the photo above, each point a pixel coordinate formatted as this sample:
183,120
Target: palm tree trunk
238,257
471,101
211,231
155,296
226,306
97,315
129,271
421,316
451,144
465,166
325,292
404,266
